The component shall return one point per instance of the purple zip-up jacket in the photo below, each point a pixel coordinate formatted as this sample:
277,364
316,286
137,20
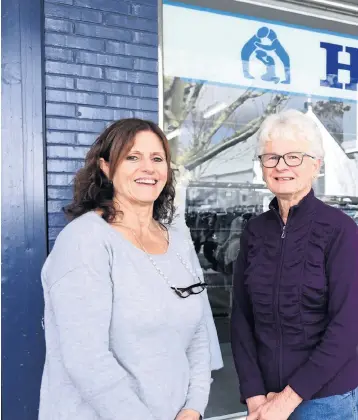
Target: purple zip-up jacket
295,306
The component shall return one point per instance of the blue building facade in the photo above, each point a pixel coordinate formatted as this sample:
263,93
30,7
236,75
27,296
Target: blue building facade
101,64
69,68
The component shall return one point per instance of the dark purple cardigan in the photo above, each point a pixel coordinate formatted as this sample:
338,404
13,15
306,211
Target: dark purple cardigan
295,306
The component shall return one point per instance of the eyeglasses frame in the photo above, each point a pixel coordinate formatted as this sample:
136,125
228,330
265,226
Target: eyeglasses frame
283,157
180,291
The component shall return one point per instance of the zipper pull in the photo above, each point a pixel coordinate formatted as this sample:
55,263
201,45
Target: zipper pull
283,236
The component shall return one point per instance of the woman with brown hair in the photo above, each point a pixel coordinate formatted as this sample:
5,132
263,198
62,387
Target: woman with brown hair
127,319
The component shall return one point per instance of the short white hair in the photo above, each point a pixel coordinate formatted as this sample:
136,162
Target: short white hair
293,125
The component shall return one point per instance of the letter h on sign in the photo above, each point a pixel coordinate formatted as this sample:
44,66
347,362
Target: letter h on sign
333,65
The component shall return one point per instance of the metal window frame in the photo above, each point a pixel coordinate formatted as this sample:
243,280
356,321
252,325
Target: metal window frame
319,9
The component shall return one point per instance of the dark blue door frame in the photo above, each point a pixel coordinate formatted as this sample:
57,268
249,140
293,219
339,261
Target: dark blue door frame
23,189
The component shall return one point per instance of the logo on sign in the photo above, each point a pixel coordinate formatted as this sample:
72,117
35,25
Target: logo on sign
265,47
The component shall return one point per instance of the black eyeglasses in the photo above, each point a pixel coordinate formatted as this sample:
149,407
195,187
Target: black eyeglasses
194,289
292,159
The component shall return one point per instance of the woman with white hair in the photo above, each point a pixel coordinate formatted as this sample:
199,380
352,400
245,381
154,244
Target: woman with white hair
294,321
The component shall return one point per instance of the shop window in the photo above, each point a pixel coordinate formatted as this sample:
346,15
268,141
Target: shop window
224,71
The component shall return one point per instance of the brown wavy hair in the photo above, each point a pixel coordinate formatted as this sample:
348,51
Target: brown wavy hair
94,191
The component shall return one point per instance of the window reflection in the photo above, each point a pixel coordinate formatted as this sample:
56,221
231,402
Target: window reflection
212,130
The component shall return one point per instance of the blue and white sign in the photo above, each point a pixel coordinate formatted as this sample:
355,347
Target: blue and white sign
237,50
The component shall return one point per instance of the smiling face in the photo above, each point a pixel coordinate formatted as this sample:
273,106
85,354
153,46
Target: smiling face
285,181
142,172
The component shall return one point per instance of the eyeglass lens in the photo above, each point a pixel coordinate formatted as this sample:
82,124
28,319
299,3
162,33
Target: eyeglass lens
193,289
270,160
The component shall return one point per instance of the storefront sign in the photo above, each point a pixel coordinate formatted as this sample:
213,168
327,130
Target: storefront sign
222,48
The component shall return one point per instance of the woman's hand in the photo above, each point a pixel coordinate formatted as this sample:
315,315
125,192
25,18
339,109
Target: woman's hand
254,403
278,406
188,414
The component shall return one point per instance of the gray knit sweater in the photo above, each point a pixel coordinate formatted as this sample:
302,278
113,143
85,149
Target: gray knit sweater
120,344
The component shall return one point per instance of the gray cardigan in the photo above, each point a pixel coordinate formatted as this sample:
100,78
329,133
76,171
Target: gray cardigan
120,344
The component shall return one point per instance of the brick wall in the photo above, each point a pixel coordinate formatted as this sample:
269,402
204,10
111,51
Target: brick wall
101,59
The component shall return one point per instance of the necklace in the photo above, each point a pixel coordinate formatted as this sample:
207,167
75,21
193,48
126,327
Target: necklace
182,292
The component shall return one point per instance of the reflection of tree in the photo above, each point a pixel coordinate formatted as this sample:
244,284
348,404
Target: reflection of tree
180,104
331,114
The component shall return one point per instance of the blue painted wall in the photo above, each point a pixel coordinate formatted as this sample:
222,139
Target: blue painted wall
78,65
101,65
23,218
